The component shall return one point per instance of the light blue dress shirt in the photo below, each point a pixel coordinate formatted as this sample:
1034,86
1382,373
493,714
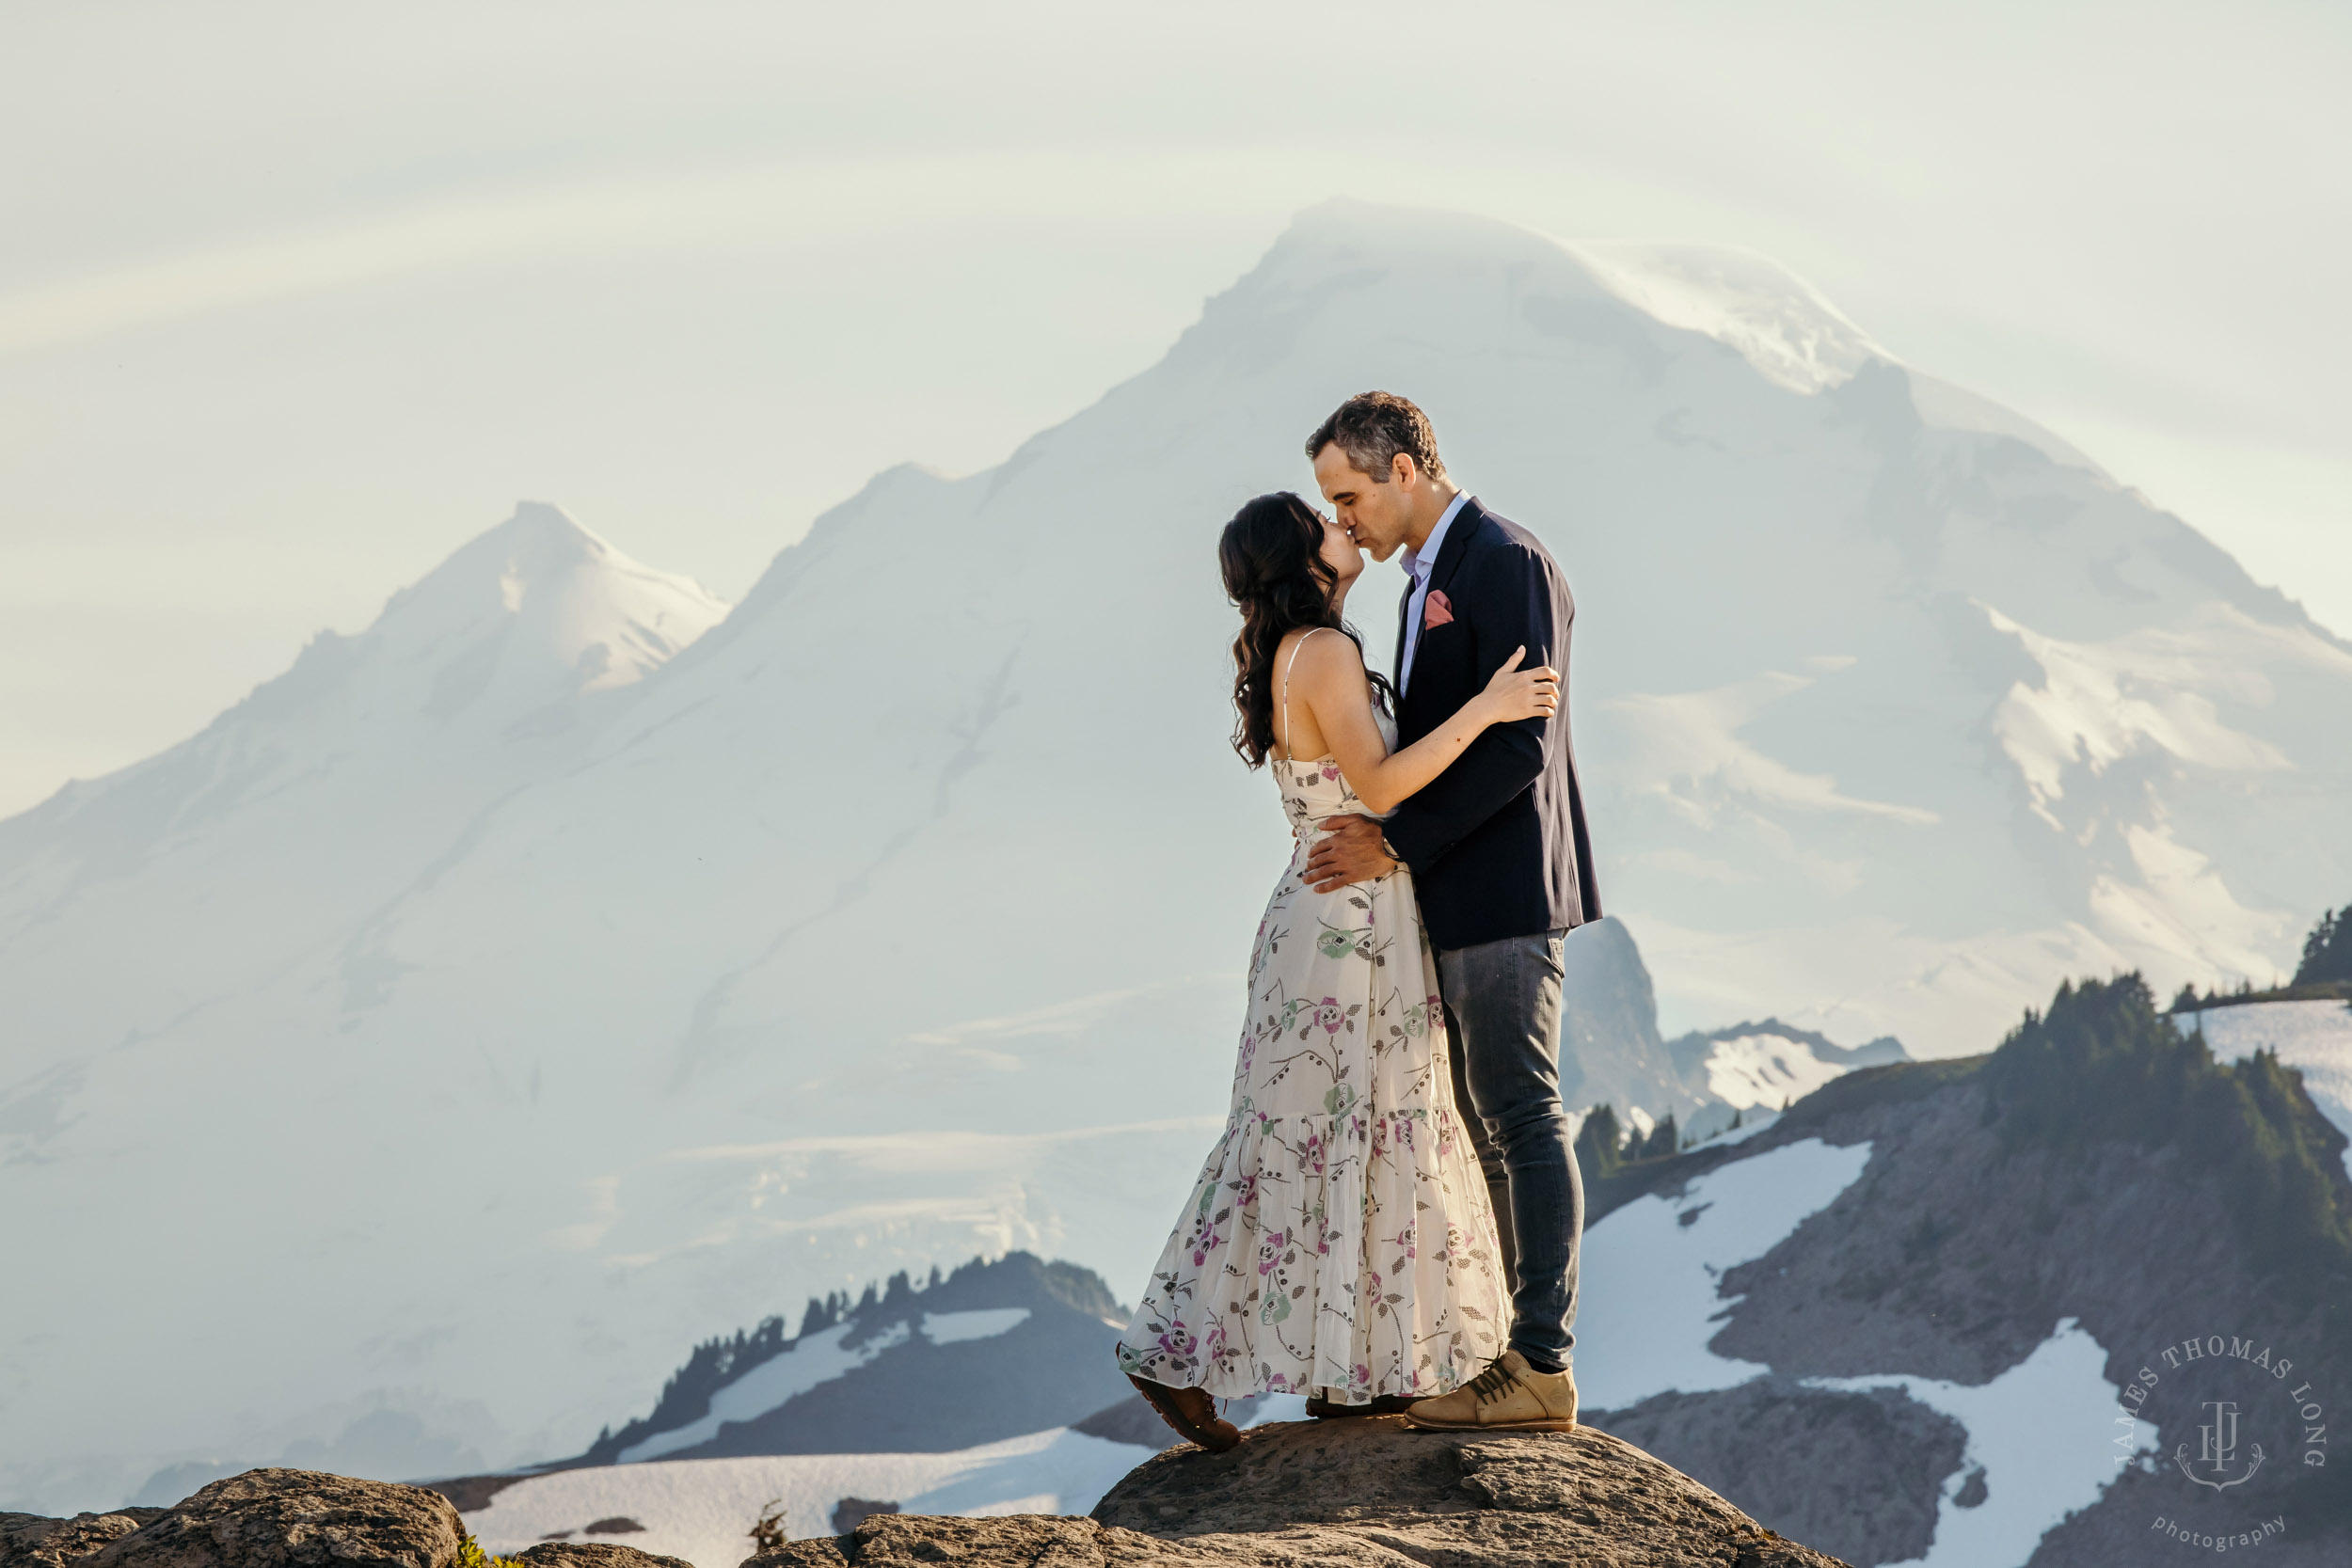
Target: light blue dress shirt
1420,563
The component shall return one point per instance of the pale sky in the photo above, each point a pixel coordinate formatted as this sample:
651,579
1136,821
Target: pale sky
296,298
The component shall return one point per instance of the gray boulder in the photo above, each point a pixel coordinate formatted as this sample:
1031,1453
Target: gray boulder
293,1519
1364,1490
595,1554
281,1519
31,1541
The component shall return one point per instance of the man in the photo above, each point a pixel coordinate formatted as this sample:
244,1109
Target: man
1499,851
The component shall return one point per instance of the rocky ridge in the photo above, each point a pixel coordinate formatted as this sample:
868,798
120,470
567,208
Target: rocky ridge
278,1518
1365,1491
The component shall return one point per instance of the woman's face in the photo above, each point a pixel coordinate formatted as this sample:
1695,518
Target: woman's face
1340,552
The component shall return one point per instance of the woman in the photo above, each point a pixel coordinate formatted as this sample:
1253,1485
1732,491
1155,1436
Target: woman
1338,1243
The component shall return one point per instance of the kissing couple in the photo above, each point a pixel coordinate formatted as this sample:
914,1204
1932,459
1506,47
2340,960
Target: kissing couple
1341,1241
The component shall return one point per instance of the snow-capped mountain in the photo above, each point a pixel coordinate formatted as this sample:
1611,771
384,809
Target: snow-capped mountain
271,839
1612,1053
1762,1067
539,979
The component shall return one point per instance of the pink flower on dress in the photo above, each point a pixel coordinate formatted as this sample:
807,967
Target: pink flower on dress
1331,772
1270,1251
1330,1016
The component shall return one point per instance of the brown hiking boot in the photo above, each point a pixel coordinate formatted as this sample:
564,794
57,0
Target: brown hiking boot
1509,1395
1191,1412
1380,1404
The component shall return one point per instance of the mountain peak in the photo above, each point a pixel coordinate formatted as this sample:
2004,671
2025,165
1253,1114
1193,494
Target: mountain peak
563,604
545,536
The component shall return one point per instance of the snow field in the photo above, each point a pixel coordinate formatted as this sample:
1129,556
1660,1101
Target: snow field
703,1509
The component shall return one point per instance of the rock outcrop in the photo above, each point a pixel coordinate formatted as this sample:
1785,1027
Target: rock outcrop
281,1519
30,1541
1359,1491
1365,1491
594,1553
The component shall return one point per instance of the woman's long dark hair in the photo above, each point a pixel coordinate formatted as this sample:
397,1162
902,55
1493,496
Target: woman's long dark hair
1271,555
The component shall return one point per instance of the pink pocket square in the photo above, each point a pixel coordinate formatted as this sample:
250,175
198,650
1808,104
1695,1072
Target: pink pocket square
1437,612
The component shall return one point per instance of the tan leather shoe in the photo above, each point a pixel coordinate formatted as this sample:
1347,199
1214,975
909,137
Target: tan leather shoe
1191,1412
1509,1395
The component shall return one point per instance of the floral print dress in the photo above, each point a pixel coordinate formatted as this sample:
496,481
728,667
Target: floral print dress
1338,1237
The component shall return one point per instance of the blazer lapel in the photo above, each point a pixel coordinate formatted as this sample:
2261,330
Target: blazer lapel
1396,664
1457,541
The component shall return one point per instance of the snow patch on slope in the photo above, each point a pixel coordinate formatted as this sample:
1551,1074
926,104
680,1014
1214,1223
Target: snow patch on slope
2043,1435
951,1328
819,1358
1652,1270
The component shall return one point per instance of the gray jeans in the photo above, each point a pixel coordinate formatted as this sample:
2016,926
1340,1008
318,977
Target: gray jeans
1503,1011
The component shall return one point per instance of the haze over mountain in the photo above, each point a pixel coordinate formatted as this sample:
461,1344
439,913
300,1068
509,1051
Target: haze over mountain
558,971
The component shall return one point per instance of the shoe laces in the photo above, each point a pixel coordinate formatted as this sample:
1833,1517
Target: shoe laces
1495,1382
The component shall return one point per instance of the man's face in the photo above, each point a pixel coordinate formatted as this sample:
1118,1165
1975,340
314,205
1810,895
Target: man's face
1373,513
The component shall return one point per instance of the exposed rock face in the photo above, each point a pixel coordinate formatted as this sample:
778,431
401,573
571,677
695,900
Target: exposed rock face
1131,1420
850,1513
1364,1490
1860,1474
30,1540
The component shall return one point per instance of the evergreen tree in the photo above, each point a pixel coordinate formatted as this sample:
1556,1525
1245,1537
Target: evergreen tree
1661,1142
1600,1144
2327,951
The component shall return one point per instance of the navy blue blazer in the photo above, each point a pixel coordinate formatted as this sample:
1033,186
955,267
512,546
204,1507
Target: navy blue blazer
1496,843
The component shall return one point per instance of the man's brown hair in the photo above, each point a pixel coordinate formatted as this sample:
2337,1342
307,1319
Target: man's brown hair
1372,428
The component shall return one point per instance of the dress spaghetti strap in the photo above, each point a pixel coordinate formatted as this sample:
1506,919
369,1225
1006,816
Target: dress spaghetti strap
1288,666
